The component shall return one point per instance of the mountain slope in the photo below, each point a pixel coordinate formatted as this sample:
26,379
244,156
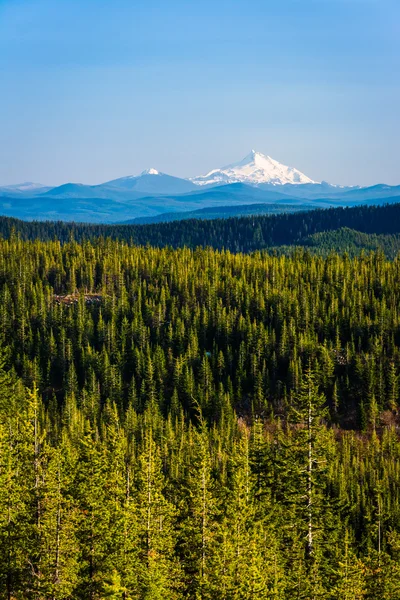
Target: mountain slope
255,168
221,212
240,234
351,241
310,190
152,181
96,204
79,190
23,189
374,192
27,186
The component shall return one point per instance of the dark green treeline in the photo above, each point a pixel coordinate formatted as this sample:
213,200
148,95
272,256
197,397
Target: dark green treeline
196,424
240,234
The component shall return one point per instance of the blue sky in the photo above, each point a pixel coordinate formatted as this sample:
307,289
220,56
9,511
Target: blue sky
93,90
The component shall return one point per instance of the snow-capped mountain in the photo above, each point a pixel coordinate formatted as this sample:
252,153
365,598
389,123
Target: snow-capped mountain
257,180
254,169
152,181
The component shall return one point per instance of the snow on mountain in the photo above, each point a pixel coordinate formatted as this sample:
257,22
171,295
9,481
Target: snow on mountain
151,171
255,168
152,181
127,178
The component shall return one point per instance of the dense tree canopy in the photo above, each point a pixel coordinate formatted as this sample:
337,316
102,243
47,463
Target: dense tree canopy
241,234
197,423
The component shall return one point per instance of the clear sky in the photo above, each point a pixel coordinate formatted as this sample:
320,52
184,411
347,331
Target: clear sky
94,90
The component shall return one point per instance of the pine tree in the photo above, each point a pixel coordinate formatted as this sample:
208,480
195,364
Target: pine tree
350,575
94,527
158,571
307,412
199,525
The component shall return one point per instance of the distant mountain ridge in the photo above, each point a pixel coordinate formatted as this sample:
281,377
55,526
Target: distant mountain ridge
27,186
254,169
257,179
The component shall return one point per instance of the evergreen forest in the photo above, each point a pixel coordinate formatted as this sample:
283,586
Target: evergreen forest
342,228
186,415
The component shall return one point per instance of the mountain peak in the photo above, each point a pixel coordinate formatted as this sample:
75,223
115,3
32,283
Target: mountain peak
256,157
255,154
150,171
255,168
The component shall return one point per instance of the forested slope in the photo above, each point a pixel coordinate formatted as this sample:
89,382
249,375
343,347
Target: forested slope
197,424
78,315
241,234
350,241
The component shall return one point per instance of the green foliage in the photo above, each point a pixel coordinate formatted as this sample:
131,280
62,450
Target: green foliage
353,242
197,424
335,229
